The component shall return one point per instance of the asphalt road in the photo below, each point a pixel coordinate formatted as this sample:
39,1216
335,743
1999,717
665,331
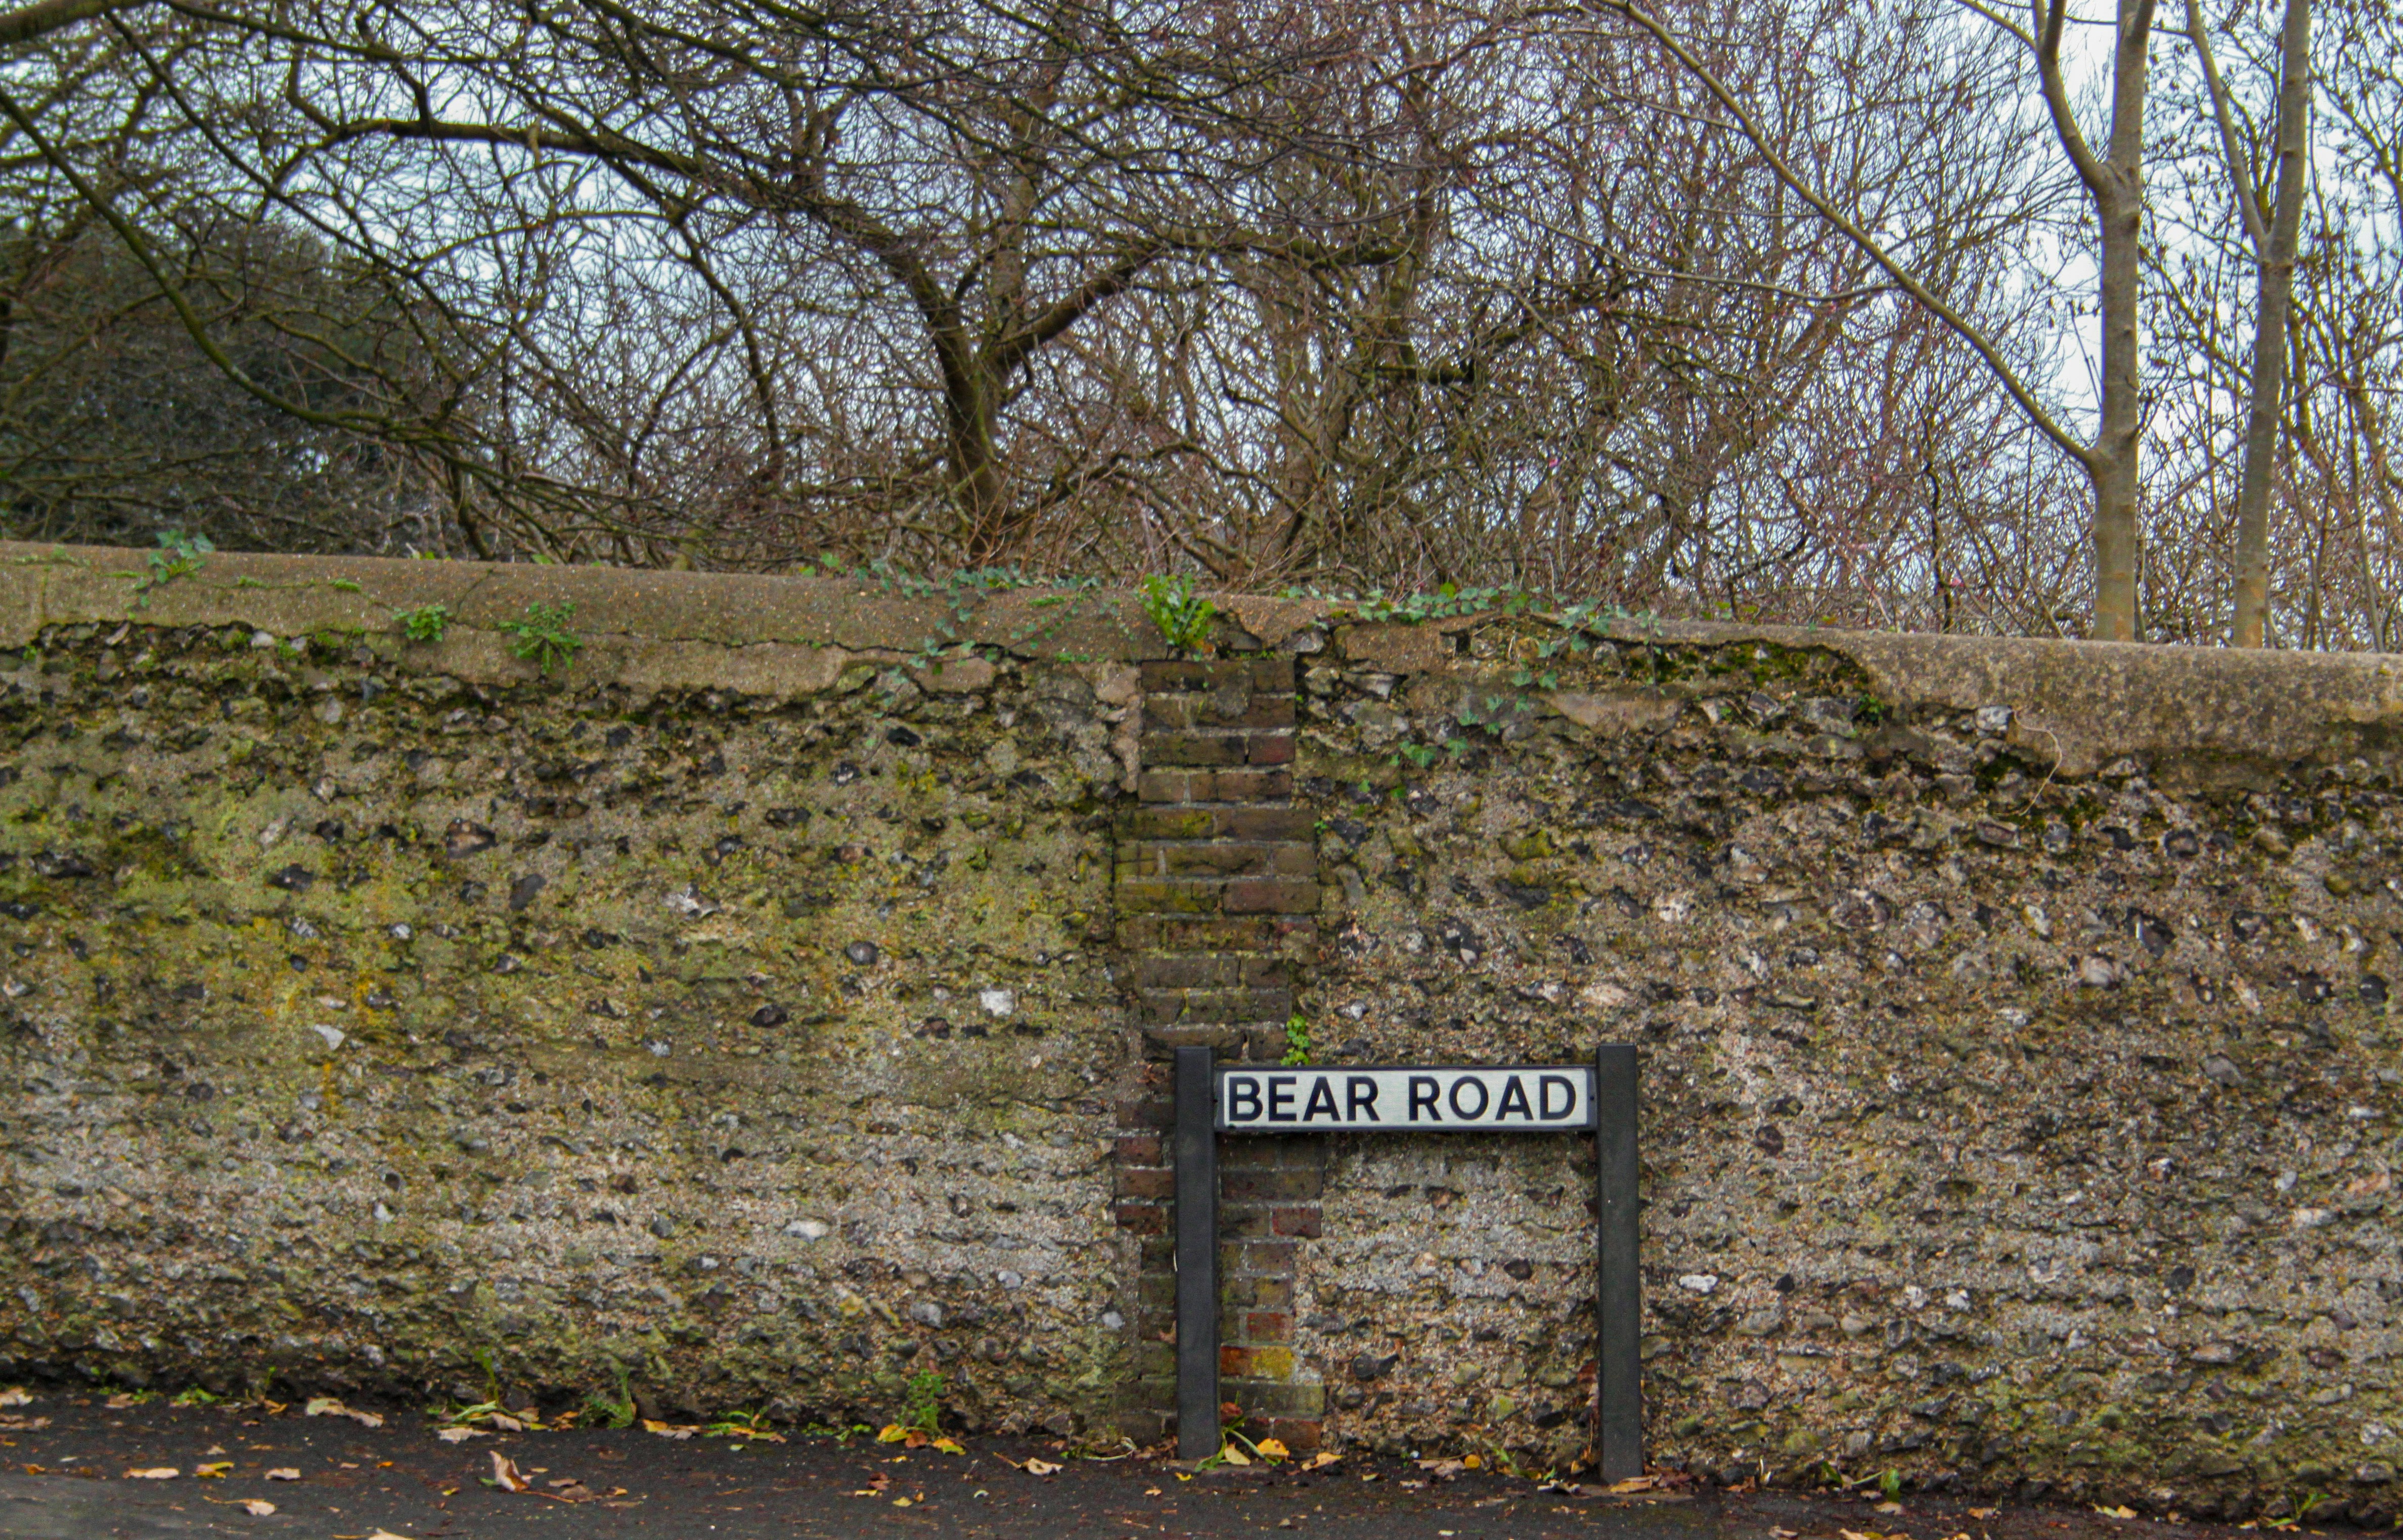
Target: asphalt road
68,1459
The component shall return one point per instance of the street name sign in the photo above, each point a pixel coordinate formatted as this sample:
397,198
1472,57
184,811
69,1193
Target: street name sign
1216,1101
1454,1098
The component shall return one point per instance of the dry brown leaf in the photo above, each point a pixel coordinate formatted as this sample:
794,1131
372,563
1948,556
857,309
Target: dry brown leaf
153,1473
460,1435
507,1475
25,1425
120,1401
214,1469
1045,1467
1233,1455
387,1534
669,1429
506,1423
257,1508
1632,1484
1320,1461
16,1395
283,1473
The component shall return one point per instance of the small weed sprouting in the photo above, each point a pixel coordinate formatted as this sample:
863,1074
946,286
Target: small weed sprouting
543,637
179,555
425,623
618,1413
742,1426
195,1396
1182,617
1296,1040
925,1409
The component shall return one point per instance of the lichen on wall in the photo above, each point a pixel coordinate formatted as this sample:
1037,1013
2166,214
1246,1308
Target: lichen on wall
2004,1121
362,1020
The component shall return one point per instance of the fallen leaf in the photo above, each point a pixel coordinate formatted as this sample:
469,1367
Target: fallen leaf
506,1423
892,1433
25,1425
1786,1534
1233,1456
1321,1460
507,1475
901,1502
153,1473
214,1468
1272,1448
1473,1462
1887,1507
669,1429
1632,1484
1983,1513
460,1435
283,1473
387,1534
16,1395
257,1508
948,1446
325,1406
121,1400
2122,1512
1045,1467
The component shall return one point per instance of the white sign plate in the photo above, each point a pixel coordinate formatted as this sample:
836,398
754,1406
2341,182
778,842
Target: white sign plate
1457,1099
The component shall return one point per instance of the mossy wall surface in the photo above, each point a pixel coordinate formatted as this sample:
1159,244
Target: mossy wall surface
2007,1118
363,1016
738,1010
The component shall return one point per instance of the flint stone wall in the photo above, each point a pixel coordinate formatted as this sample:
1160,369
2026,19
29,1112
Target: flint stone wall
747,1010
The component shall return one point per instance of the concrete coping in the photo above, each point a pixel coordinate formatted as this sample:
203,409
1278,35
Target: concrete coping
2077,705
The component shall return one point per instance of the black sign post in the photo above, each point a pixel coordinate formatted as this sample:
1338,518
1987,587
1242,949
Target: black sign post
1197,1259
1443,1098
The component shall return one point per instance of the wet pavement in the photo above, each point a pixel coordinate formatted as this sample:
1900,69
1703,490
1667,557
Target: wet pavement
71,1461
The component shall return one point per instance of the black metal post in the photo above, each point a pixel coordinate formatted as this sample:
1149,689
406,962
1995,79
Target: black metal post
1197,1259
1618,1357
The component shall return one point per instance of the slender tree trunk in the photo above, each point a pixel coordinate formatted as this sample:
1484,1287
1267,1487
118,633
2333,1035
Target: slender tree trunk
2119,191
2274,304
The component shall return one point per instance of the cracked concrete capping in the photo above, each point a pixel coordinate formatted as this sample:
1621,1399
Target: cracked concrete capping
2219,714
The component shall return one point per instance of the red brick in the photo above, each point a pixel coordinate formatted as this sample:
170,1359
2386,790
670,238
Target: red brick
1171,674
1298,1220
1161,895
1270,895
1194,748
1154,1181
1158,785
1273,673
1265,1325
1170,822
1272,748
1141,1218
1251,785
1138,1149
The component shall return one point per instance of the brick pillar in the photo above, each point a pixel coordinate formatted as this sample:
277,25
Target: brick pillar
1217,886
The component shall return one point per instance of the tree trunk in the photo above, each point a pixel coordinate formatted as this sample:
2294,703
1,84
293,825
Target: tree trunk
2273,306
2118,187
2114,466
